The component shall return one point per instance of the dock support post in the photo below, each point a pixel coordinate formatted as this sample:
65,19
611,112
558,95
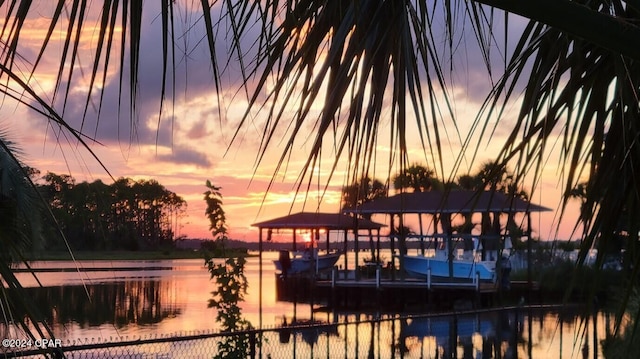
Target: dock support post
478,295
333,277
477,280
429,293
378,291
334,274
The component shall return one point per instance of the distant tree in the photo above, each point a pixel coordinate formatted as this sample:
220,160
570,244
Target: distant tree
416,177
31,172
155,207
491,176
56,192
366,190
469,183
496,177
362,192
128,214
124,207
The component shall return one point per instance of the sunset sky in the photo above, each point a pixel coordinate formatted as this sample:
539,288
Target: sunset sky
192,141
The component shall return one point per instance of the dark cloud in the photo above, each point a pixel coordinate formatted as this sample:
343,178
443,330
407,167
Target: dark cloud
109,116
194,78
183,155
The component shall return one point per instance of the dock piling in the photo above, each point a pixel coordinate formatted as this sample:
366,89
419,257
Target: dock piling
333,277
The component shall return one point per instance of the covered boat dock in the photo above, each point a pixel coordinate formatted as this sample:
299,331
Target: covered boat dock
386,284
317,222
452,225
442,206
306,286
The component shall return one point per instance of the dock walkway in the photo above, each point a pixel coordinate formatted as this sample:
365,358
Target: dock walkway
482,287
345,290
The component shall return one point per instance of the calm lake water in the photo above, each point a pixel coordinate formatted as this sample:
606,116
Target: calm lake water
169,297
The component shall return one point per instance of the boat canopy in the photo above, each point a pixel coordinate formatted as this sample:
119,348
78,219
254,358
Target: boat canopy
455,201
317,220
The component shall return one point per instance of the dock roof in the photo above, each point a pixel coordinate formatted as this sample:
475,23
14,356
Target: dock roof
456,201
312,220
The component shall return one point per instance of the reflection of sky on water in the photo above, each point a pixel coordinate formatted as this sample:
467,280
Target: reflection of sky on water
162,301
164,297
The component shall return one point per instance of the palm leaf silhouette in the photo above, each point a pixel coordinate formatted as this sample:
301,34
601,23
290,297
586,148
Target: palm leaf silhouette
372,65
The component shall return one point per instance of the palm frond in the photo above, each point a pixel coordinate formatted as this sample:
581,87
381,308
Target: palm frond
587,95
583,19
366,63
20,231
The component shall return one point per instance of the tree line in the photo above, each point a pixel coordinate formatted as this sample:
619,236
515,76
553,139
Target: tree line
125,215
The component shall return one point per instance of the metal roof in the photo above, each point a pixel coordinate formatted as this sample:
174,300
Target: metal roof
312,220
456,201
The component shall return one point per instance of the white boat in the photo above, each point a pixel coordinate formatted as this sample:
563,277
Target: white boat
421,266
468,266
305,261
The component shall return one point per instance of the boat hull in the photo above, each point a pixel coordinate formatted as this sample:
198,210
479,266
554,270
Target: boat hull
420,266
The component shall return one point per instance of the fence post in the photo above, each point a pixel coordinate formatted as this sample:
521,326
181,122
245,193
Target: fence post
252,345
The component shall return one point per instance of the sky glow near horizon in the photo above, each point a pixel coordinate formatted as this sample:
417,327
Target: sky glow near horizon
190,143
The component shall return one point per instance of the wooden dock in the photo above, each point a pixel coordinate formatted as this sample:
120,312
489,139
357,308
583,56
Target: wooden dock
347,291
384,284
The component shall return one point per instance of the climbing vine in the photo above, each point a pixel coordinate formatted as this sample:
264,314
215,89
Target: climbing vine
231,283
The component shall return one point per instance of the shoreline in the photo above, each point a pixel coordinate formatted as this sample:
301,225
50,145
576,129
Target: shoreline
117,255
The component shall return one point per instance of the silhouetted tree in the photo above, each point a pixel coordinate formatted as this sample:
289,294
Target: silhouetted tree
125,215
415,177
231,282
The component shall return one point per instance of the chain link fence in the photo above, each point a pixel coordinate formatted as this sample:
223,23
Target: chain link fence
484,334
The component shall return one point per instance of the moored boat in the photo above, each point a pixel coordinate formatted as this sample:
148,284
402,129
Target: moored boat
421,266
454,216
468,265
310,226
305,261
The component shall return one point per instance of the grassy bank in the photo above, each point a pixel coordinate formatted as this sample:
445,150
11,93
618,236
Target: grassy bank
117,255
564,281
